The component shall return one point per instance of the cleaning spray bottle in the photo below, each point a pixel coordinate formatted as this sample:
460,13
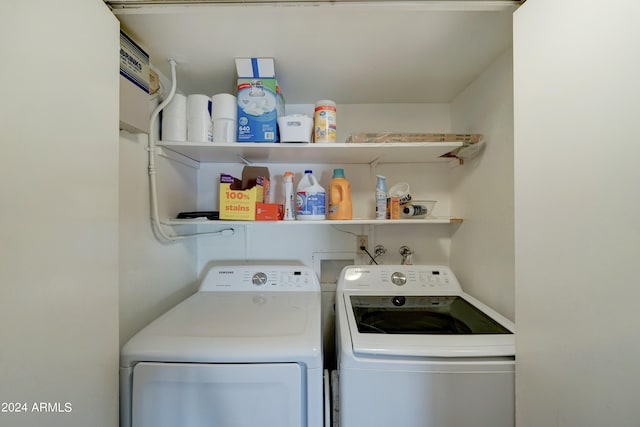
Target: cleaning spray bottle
289,201
339,196
381,197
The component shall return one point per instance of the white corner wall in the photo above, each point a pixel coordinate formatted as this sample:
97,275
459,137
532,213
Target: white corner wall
482,252
577,207
59,214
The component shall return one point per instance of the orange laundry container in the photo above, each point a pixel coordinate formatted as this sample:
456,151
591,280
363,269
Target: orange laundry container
339,196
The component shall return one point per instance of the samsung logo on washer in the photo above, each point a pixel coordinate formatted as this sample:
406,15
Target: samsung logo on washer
225,272
355,273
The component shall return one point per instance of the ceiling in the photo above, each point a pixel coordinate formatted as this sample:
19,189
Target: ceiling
352,53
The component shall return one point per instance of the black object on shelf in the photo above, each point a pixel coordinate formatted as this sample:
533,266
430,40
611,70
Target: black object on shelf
210,215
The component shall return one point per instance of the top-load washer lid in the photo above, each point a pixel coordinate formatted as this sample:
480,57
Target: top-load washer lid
241,314
450,315
417,311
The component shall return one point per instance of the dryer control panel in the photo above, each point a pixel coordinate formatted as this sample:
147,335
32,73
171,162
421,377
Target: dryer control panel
399,278
262,278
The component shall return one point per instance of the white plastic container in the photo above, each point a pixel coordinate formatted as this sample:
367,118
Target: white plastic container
324,121
295,128
310,198
289,202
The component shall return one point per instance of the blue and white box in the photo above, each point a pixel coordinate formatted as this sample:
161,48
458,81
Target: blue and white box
134,86
260,101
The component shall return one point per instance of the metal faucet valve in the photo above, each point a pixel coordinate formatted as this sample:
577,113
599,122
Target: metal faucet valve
407,255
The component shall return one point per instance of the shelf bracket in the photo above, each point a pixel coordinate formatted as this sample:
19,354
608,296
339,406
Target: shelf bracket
245,161
177,157
375,162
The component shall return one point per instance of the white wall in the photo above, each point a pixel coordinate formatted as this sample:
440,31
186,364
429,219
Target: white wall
59,213
577,208
482,253
154,276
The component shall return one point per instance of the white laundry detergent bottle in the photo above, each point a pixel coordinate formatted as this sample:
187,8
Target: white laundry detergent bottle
310,198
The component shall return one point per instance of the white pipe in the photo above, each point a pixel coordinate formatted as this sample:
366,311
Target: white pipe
153,186
155,221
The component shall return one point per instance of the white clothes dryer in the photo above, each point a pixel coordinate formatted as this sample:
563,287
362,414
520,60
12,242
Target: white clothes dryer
414,350
243,351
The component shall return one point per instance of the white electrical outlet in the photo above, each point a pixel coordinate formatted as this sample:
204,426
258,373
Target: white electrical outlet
362,240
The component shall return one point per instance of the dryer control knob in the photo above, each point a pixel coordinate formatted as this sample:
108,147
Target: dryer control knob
398,279
398,301
259,279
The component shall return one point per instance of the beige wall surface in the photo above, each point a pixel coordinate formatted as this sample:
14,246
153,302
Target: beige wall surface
577,240
59,214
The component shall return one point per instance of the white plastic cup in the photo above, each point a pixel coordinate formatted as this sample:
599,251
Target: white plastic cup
199,124
401,191
174,119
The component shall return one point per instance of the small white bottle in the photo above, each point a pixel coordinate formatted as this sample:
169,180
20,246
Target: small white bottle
289,202
381,197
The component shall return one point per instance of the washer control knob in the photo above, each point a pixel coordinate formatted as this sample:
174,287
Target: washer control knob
398,279
398,301
259,279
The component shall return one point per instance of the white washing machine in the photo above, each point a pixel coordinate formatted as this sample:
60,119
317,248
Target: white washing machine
243,351
414,350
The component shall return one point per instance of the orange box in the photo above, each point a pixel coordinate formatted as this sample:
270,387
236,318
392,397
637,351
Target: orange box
269,211
393,208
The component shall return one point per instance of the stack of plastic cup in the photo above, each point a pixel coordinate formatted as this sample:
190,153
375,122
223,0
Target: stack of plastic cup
224,114
174,119
199,125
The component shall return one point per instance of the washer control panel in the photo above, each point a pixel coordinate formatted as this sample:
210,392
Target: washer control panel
261,278
403,278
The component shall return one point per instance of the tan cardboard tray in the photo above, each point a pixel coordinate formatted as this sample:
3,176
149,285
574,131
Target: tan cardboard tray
470,138
467,139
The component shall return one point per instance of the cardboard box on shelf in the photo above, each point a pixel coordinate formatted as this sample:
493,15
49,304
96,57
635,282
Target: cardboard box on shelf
260,101
251,173
134,86
238,197
269,212
256,67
